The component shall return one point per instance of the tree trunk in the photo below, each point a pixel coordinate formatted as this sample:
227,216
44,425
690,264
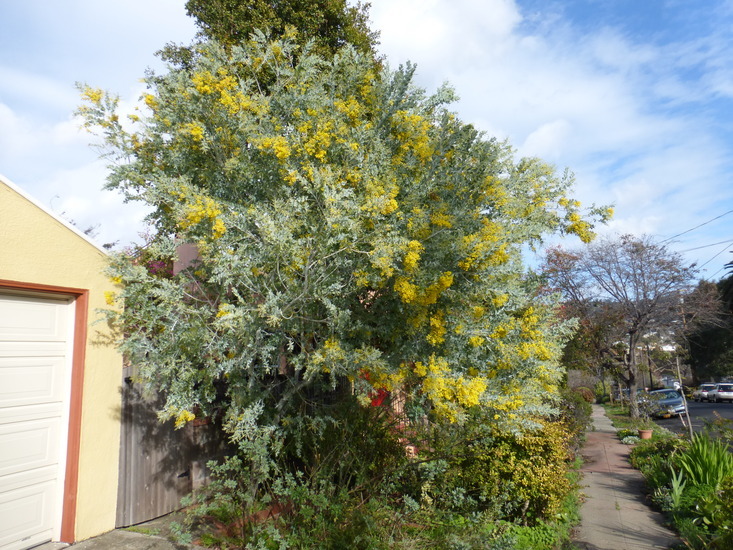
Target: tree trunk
633,374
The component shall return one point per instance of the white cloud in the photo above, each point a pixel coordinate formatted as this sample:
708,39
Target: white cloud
548,141
77,195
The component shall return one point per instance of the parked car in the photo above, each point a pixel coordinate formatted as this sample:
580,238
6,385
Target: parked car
701,393
666,402
722,392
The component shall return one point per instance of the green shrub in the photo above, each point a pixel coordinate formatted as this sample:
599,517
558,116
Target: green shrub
521,476
706,462
575,413
714,512
693,480
347,482
586,393
601,392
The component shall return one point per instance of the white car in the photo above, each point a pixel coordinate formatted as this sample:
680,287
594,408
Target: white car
701,393
722,392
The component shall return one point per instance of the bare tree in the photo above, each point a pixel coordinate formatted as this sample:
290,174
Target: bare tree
647,288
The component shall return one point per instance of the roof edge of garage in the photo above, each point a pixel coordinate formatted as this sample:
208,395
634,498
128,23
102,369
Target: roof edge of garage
5,180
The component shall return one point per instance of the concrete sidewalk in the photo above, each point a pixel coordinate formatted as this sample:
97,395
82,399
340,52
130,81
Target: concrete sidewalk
151,535
615,515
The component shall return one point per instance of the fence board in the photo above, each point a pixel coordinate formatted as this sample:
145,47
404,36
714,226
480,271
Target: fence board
158,464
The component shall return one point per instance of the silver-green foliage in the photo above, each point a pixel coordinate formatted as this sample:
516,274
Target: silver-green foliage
352,234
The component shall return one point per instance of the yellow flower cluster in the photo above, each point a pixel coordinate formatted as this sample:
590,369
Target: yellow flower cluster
577,225
476,341
536,349
412,131
278,144
414,250
224,309
349,107
318,143
495,192
230,97
412,294
441,219
582,229
408,292
184,417
151,101
207,83
93,95
390,381
510,400
529,324
437,329
381,197
236,102
195,130
449,394
328,355
482,249
204,208
433,292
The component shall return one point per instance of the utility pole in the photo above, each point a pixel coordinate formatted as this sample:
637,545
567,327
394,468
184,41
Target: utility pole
679,374
684,399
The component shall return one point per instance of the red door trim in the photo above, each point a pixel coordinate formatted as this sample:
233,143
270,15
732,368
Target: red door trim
71,478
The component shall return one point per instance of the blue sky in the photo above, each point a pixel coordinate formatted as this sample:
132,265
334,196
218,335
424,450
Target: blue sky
635,97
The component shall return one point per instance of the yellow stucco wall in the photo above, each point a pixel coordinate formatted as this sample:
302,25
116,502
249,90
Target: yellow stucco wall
35,247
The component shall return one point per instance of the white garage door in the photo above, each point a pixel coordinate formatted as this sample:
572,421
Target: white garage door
35,366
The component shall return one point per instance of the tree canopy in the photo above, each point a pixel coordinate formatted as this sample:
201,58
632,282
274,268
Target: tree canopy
348,228
711,345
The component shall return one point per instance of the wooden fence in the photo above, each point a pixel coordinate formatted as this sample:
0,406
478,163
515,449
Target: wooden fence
158,464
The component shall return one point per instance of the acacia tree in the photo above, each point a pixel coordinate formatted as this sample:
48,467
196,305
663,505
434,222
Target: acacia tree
642,282
353,236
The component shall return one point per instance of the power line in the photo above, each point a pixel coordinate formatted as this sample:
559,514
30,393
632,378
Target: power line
718,254
698,226
706,246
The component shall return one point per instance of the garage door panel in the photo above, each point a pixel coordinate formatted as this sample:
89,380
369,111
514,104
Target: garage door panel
31,380
32,349
27,515
35,365
24,318
18,481
31,412
28,446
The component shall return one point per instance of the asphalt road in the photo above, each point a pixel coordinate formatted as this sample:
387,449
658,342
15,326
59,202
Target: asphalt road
700,413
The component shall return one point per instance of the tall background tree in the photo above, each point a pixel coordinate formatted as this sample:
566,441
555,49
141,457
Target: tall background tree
711,346
325,25
638,283
332,24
